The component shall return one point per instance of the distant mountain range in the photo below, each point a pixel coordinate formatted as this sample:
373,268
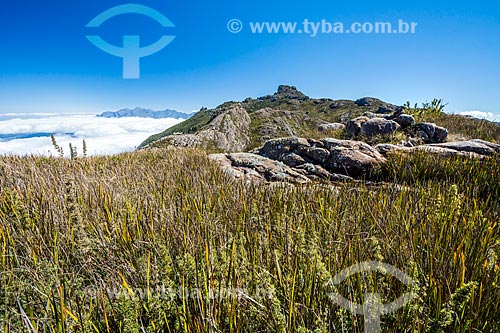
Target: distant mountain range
144,113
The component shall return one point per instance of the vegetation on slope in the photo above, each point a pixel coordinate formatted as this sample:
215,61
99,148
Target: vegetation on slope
291,113
302,114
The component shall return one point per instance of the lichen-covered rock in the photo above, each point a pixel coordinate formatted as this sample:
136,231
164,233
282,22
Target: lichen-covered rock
293,160
472,146
353,127
316,154
388,149
405,120
379,126
431,133
351,158
276,148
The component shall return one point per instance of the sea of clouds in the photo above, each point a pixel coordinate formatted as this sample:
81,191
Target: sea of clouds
23,134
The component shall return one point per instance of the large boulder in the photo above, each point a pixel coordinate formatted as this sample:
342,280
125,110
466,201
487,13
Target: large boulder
432,149
277,148
315,153
471,146
354,126
345,157
257,168
352,158
431,133
494,146
379,126
405,120
293,160
390,108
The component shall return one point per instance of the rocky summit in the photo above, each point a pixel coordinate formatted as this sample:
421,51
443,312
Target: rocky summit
242,126
291,137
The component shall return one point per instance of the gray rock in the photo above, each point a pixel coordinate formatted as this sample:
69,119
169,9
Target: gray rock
405,120
289,92
440,134
370,115
316,171
352,158
390,108
388,149
378,126
365,148
431,133
256,168
271,170
494,146
346,157
314,154
353,163
479,147
331,127
293,160
276,148
354,126
181,140
238,173
228,130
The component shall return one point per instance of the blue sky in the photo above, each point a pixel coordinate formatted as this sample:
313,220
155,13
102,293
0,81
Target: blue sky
47,64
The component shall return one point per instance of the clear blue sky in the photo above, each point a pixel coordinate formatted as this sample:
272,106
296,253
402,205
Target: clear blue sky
47,64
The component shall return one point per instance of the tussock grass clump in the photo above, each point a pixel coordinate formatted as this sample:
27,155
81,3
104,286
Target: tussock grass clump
163,241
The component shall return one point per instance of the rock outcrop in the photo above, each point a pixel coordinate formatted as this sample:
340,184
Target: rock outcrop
470,148
228,131
369,126
254,167
299,160
431,133
354,126
379,126
405,120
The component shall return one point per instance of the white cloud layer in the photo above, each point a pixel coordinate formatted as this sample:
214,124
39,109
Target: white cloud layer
102,135
482,115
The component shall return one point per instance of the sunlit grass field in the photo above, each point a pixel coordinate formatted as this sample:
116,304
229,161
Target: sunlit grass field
163,241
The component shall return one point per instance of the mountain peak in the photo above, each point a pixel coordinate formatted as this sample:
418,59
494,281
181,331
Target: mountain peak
290,92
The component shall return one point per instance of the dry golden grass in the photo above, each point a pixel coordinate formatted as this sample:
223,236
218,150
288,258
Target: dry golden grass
151,241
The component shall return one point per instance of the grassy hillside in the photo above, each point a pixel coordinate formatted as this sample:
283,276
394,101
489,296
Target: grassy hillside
163,241
291,113
302,115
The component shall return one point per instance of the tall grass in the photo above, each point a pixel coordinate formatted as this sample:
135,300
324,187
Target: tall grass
163,241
